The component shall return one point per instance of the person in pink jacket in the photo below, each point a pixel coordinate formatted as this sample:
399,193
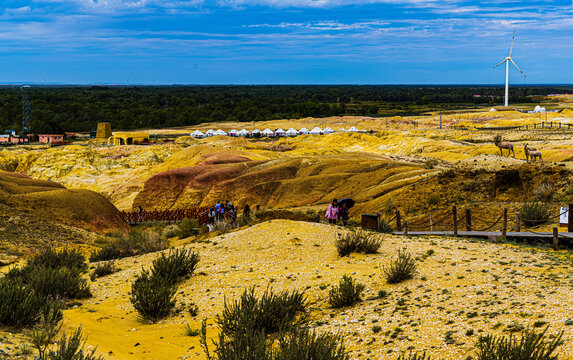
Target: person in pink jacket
332,212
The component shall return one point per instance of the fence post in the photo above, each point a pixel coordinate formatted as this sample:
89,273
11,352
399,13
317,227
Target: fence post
398,221
405,228
504,229
555,238
431,223
378,221
455,213
518,221
569,219
469,219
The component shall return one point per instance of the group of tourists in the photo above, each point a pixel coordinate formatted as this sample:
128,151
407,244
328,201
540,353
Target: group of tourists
222,210
337,212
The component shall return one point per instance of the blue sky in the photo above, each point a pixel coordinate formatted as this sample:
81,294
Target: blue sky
283,41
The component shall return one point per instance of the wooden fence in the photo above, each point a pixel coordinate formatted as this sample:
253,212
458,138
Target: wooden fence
545,125
451,222
136,217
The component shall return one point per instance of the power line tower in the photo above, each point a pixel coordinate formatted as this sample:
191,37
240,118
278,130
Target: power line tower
26,122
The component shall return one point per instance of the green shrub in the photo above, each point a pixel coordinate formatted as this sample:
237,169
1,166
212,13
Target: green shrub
414,356
139,242
66,258
152,297
48,328
72,348
103,269
223,226
347,293
302,344
269,314
357,240
469,186
50,283
385,227
188,227
19,305
530,346
430,163
544,192
535,213
400,269
175,266
190,331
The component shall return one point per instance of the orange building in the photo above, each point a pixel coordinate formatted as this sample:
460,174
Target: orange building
50,138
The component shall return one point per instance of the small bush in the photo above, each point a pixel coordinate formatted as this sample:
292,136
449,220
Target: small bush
188,227
48,328
535,213
72,348
66,258
19,305
544,192
357,240
190,331
400,269
530,346
269,314
302,344
152,297
138,242
414,356
103,269
175,266
433,199
385,227
347,293
223,226
57,284
469,186
50,283
431,163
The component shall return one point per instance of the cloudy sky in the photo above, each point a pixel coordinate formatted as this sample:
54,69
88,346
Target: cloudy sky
284,41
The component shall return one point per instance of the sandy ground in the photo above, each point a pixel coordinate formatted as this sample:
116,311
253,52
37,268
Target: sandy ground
464,285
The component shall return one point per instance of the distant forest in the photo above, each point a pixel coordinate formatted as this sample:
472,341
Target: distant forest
57,109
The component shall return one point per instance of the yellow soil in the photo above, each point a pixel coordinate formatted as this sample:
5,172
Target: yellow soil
501,283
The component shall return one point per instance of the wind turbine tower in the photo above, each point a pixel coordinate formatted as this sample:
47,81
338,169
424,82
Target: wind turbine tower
506,61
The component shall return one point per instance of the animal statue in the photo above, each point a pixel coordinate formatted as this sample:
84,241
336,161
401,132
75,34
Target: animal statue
532,153
503,145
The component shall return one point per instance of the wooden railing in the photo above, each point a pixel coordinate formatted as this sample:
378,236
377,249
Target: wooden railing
138,217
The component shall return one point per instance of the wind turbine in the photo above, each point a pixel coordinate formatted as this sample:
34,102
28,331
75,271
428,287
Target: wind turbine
506,61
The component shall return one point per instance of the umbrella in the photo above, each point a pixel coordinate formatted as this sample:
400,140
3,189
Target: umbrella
349,203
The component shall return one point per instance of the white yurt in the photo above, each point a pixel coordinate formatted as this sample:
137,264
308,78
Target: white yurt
539,109
492,109
291,132
315,131
197,134
256,133
303,131
341,129
220,132
243,132
280,132
233,133
353,129
327,131
268,132
210,132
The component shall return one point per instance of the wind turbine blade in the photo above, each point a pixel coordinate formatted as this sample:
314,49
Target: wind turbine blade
500,63
517,68
511,48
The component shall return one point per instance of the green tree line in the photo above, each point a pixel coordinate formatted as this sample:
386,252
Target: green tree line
56,109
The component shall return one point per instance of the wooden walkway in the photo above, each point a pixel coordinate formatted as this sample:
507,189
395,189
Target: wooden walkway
565,238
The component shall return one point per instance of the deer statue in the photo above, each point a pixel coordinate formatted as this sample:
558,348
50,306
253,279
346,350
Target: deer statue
503,145
532,153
